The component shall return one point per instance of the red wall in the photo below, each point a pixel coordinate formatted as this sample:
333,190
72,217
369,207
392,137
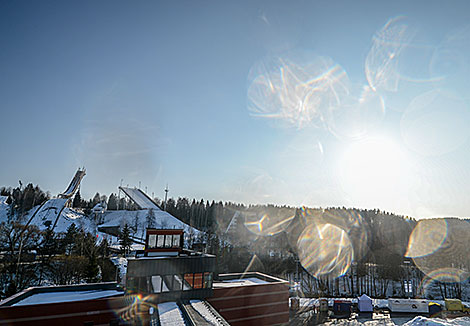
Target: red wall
98,311
260,304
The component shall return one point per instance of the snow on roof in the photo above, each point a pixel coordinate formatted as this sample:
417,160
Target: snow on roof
203,310
100,207
239,282
66,296
170,314
140,198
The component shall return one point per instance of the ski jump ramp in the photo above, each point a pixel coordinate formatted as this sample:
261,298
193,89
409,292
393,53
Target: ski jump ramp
47,215
74,184
140,198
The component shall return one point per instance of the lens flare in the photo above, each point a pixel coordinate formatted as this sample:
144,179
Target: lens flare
430,130
137,307
398,52
255,265
427,237
325,250
361,113
354,225
265,221
451,64
298,89
441,254
397,65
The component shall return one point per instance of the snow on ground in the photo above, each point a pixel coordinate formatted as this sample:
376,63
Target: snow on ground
3,200
70,216
4,208
121,264
385,320
170,314
54,297
138,221
47,213
423,321
379,303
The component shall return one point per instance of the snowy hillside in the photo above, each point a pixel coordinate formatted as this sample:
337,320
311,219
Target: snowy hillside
3,209
47,215
138,221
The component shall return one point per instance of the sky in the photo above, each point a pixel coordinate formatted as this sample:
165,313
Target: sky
320,103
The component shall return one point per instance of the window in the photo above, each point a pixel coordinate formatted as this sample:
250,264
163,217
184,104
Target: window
207,280
160,241
176,240
152,240
156,284
168,241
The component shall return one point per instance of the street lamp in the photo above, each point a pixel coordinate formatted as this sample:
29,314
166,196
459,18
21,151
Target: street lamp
408,286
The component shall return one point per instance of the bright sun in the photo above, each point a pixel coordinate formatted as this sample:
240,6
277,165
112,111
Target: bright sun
374,173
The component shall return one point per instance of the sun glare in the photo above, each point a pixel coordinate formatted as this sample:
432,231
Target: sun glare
374,171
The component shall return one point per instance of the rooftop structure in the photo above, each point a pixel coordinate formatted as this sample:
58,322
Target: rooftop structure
167,272
251,299
165,285
60,305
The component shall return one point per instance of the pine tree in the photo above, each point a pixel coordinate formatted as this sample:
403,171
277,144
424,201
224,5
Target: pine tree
151,221
92,269
77,200
68,243
96,200
112,202
125,239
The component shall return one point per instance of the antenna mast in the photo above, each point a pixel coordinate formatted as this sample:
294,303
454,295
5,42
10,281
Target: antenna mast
166,196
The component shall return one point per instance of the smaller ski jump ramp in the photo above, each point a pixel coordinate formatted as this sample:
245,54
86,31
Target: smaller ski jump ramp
140,198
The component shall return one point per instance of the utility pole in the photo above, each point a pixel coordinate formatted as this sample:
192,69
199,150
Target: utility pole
166,197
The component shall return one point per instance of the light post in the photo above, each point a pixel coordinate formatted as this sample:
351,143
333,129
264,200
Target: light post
408,287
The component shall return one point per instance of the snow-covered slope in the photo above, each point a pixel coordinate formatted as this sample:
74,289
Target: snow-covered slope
48,213
138,221
4,208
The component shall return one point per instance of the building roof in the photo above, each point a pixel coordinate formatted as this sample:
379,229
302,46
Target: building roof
67,293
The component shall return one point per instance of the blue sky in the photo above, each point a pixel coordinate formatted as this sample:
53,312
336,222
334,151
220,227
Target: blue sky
177,92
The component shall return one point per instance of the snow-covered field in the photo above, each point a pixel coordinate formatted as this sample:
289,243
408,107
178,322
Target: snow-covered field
138,221
383,319
410,321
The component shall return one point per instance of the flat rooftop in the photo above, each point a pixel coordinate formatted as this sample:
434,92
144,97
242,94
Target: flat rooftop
57,294
244,279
